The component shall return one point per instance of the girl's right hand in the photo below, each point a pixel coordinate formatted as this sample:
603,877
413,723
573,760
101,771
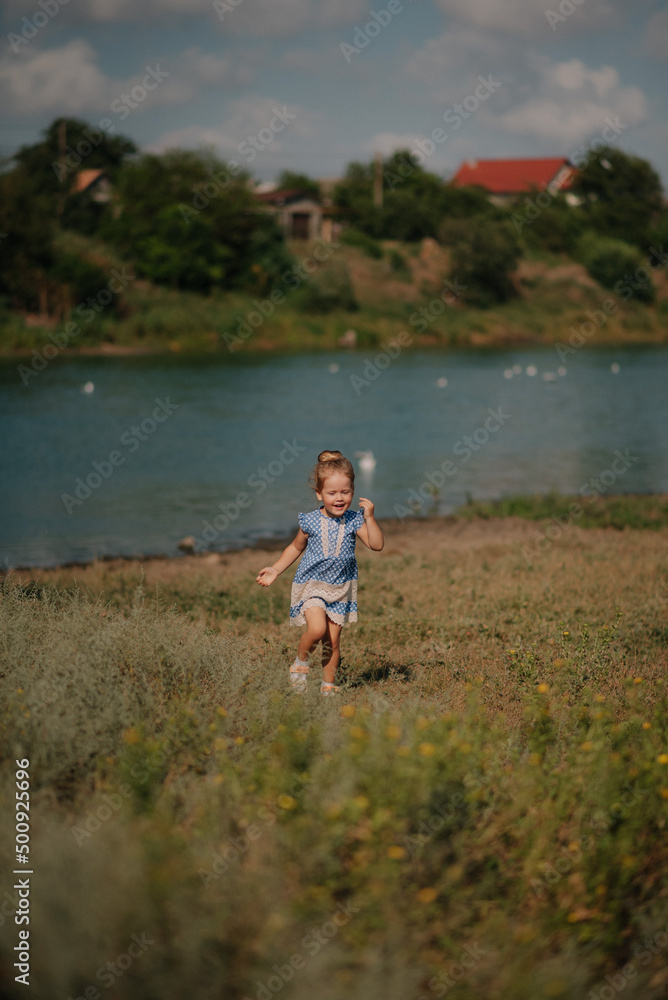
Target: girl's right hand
266,576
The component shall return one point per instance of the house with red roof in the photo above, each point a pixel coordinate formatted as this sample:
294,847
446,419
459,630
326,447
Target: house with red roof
93,183
507,179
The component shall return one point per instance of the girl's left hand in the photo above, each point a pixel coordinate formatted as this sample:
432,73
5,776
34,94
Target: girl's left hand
367,506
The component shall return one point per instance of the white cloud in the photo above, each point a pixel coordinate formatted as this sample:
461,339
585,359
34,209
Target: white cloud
444,63
570,102
250,116
67,80
528,18
273,18
280,18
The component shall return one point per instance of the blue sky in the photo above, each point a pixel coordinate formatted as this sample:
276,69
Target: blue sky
227,68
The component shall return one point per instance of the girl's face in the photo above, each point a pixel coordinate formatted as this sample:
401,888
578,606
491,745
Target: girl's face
336,495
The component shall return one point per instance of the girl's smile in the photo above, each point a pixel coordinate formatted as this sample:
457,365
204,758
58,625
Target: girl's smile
336,496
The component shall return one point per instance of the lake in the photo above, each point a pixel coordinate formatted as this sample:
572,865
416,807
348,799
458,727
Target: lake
159,448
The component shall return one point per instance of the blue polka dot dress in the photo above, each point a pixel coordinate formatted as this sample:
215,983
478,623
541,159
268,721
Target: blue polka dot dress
327,574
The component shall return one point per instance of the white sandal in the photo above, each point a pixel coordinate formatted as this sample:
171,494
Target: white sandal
327,687
298,675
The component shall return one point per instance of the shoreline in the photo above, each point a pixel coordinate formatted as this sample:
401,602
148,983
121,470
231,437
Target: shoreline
417,535
507,340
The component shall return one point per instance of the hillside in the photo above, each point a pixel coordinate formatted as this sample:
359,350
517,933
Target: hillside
408,287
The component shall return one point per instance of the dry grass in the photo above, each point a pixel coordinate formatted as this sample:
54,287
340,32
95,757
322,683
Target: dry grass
493,778
442,605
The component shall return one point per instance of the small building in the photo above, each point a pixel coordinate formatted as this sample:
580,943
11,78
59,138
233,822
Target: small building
94,183
507,179
297,213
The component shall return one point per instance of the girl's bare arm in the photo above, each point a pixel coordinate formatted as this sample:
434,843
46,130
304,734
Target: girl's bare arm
370,532
267,575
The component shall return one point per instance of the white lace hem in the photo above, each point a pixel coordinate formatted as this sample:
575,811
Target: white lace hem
318,594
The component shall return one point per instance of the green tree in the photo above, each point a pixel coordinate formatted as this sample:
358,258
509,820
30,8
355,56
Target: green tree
26,250
186,219
353,196
610,261
414,200
622,195
35,198
485,252
290,181
51,165
556,228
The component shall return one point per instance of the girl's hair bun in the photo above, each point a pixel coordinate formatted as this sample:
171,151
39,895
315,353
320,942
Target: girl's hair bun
329,464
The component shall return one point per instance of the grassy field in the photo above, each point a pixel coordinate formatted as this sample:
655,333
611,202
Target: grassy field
480,813
554,298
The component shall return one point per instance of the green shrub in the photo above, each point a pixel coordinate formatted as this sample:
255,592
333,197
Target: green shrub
83,278
556,228
484,254
613,262
328,289
354,238
399,266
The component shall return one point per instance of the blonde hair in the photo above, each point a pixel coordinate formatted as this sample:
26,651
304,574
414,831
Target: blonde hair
329,464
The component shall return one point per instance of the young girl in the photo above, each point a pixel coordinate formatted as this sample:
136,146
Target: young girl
324,592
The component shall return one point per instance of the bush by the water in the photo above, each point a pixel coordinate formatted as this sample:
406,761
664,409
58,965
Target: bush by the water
328,290
485,253
614,262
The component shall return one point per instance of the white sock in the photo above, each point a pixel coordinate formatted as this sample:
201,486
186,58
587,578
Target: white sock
300,663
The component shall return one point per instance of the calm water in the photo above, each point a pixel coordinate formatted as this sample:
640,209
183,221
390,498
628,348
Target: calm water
231,419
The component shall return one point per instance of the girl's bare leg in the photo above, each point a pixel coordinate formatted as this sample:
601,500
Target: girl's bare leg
330,651
316,627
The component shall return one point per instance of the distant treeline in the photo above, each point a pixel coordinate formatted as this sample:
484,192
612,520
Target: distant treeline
190,221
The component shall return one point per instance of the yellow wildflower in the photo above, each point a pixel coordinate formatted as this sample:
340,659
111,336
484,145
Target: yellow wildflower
396,852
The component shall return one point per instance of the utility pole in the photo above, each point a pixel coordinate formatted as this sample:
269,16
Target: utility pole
62,149
378,181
